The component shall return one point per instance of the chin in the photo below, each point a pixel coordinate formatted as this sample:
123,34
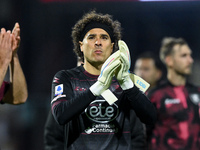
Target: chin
100,60
187,73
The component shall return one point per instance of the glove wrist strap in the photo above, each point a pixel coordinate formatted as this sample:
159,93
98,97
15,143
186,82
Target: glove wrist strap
97,88
127,84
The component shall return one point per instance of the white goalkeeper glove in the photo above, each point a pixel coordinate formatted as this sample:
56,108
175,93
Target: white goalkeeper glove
123,72
107,72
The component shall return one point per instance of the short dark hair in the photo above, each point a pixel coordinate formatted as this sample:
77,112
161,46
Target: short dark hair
92,16
167,46
154,57
158,63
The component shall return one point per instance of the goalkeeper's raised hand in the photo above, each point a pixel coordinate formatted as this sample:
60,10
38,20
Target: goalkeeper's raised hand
107,72
122,72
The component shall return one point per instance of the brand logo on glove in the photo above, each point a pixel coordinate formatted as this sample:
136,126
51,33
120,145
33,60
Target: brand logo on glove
101,112
141,84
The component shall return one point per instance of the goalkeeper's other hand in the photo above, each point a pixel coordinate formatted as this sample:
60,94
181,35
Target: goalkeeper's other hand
122,72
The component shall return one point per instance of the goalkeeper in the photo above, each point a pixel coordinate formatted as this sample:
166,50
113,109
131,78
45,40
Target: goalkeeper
90,116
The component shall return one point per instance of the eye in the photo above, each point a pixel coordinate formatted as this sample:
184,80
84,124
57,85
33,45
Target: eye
91,37
105,37
184,55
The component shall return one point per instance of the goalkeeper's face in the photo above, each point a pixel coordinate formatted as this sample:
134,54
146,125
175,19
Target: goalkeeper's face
96,46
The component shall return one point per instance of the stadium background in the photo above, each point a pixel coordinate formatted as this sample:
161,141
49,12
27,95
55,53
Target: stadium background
46,48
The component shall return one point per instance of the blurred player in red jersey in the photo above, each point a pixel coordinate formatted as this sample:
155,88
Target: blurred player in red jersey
176,100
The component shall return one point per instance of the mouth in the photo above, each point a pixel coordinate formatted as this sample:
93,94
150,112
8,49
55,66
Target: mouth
189,67
98,51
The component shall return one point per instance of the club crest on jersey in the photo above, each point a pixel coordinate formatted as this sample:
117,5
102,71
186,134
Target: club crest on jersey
59,89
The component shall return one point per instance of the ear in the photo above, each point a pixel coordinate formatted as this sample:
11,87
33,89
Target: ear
169,61
112,46
158,74
80,44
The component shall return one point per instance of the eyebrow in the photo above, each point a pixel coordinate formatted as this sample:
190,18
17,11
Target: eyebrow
100,34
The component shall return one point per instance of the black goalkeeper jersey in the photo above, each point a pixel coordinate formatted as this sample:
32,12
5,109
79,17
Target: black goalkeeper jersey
91,122
178,124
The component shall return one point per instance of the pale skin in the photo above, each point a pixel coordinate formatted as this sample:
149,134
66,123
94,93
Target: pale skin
96,47
9,44
146,69
179,64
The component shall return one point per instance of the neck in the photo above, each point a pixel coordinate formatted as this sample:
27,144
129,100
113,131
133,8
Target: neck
94,69
176,79
152,86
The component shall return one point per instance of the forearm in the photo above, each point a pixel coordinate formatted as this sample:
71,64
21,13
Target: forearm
65,110
142,106
17,92
3,71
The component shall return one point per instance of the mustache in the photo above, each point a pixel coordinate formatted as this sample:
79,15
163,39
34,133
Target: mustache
98,49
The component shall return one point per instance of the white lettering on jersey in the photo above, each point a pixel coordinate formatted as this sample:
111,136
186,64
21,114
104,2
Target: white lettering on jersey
102,114
102,128
172,101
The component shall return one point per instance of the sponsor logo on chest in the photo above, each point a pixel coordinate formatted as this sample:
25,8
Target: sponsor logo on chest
100,111
172,101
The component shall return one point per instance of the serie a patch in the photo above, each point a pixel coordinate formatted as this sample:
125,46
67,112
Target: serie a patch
59,89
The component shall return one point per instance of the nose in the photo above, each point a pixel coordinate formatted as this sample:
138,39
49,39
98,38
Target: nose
191,60
98,42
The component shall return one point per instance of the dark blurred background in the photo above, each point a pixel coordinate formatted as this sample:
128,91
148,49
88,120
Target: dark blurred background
46,47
